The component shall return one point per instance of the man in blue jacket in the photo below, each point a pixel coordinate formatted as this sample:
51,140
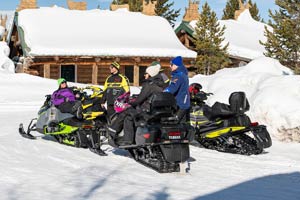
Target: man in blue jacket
179,87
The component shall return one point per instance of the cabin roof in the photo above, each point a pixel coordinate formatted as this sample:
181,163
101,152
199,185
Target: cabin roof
243,35
55,31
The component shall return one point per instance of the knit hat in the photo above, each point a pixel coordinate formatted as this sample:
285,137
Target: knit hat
177,61
116,65
60,81
153,69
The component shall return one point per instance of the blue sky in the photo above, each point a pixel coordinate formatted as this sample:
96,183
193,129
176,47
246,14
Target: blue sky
216,5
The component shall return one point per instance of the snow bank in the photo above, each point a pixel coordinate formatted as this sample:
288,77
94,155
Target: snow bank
272,89
21,88
6,65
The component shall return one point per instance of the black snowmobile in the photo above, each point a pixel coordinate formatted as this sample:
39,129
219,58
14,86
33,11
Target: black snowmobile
66,128
160,142
226,128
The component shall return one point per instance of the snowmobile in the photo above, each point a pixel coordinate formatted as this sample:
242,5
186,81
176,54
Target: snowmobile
160,142
66,128
226,128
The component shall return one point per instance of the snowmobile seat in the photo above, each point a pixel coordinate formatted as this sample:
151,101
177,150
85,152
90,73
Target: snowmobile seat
162,108
238,102
77,123
218,110
162,105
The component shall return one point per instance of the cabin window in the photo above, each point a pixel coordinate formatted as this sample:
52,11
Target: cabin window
129,71
68,72
142,70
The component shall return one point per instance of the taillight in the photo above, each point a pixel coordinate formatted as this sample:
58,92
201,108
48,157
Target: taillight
87,126
146,135
174,133
254,124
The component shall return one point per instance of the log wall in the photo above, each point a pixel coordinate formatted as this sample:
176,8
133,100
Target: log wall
100,71
84,73
54,71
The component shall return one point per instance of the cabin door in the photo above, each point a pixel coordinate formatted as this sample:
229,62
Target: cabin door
68,72
142,74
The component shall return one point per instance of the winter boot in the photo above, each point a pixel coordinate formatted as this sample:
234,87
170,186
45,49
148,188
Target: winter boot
79,114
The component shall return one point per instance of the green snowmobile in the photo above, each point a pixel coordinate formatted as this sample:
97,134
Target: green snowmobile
66,128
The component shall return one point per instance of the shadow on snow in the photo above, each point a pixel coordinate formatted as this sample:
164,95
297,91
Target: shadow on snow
275,187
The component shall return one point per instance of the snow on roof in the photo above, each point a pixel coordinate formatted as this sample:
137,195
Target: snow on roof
2,30
58,31
10,19
243,35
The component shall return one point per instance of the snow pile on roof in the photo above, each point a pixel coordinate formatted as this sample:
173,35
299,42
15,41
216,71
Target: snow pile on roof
243,36
6,65
10,20
2,30
272,90
59,31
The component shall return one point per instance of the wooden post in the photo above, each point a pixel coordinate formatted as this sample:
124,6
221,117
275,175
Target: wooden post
46,70
136,74
95,74
186,40
136,71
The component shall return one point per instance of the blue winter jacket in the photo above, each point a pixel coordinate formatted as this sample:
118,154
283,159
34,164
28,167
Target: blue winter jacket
179,85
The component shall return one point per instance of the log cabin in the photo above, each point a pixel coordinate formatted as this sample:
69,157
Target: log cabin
79,45
241,49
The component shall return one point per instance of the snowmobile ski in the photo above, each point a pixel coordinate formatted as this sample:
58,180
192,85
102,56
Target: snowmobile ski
31,127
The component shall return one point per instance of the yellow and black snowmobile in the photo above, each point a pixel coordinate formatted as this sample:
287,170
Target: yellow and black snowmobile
66,128
226,128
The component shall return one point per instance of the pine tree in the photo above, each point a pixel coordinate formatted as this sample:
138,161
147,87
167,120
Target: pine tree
230,8
208,38
119,2
233,5
163,9
134,5
254,11
283,43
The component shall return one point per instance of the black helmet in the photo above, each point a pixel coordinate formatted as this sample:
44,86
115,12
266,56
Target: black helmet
195,88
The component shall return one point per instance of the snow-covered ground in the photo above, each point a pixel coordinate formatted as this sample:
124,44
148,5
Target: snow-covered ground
44,169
